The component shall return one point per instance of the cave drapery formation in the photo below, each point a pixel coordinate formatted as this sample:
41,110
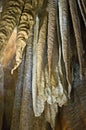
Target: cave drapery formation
42,61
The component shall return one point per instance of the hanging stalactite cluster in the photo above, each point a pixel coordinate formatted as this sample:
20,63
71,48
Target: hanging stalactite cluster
45,52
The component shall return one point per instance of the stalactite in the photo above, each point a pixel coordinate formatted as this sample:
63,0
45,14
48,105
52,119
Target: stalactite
64,30
26,116
9,19
40,55
18,97
84,5
51,111
83,13
59,89
51,31
25,25
77,31
59,41
1,95
34,71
